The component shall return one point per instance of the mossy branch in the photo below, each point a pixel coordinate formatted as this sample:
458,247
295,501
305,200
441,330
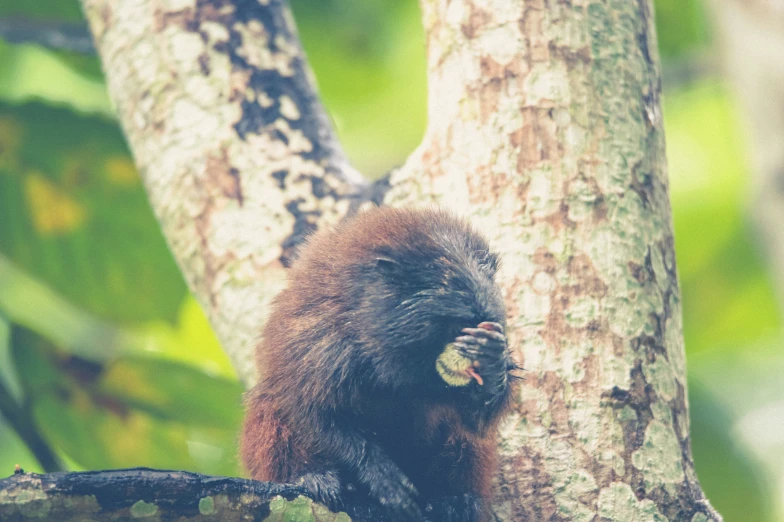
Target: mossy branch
139,493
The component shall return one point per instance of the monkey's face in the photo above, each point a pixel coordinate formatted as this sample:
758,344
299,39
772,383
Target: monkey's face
419,302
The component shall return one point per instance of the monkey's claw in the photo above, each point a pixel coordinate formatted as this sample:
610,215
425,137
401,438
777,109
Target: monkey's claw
482,344
486,346
324,488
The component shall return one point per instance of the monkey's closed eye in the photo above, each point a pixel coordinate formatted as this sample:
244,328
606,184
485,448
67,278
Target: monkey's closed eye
386,262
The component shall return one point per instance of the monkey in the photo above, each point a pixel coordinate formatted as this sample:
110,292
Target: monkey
386,368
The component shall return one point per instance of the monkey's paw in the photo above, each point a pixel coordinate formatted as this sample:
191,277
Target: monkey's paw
486,347
324,488
391,488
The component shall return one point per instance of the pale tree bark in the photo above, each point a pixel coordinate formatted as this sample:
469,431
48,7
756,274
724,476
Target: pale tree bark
545,121
544,128
751,36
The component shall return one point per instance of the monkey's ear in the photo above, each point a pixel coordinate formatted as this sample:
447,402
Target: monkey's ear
489,261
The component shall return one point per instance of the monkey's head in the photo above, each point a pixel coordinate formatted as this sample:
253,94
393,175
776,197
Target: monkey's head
419,279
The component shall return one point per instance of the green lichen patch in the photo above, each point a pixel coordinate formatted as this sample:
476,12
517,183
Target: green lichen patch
142,509
617,502
36,509
207,506
659,374
581,311
82,504
659,458
302,509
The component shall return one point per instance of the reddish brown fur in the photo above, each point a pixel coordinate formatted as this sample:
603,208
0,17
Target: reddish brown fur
330,366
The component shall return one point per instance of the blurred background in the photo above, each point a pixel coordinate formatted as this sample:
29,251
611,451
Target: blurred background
106,361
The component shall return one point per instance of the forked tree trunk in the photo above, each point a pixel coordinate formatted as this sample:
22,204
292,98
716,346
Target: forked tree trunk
544,127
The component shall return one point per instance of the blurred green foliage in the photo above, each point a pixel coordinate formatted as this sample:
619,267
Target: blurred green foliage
97,412
681,26
728,298
59,10
76,215
122,369
733,480
370,69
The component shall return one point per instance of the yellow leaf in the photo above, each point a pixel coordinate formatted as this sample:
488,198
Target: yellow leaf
53,211
121,171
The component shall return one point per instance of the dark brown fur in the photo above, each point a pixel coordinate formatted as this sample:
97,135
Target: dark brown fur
350,394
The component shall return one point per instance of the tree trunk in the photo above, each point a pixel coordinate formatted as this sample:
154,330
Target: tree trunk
544,127
545,122
752,40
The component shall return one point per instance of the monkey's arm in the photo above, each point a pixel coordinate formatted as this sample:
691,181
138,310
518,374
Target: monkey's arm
373,468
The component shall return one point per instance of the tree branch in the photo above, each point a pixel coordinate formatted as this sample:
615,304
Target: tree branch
237,154
62,36
134,493
128,494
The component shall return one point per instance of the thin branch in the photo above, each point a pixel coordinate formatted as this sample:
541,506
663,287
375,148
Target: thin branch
58,35
22,423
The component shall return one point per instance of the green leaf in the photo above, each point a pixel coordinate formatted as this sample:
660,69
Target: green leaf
169,390
14,452
731,301
8,377
681,26
75,215
371,69
190,341
131,411
29,72
44,9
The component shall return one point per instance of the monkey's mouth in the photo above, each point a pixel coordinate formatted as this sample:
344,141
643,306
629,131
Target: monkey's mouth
471,372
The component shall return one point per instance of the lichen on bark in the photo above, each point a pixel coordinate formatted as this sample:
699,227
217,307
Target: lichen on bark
545,127
237,154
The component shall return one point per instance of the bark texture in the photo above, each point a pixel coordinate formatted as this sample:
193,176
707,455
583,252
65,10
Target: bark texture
238,156
545,123
752,40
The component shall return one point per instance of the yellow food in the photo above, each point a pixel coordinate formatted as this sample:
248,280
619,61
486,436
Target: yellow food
455,369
